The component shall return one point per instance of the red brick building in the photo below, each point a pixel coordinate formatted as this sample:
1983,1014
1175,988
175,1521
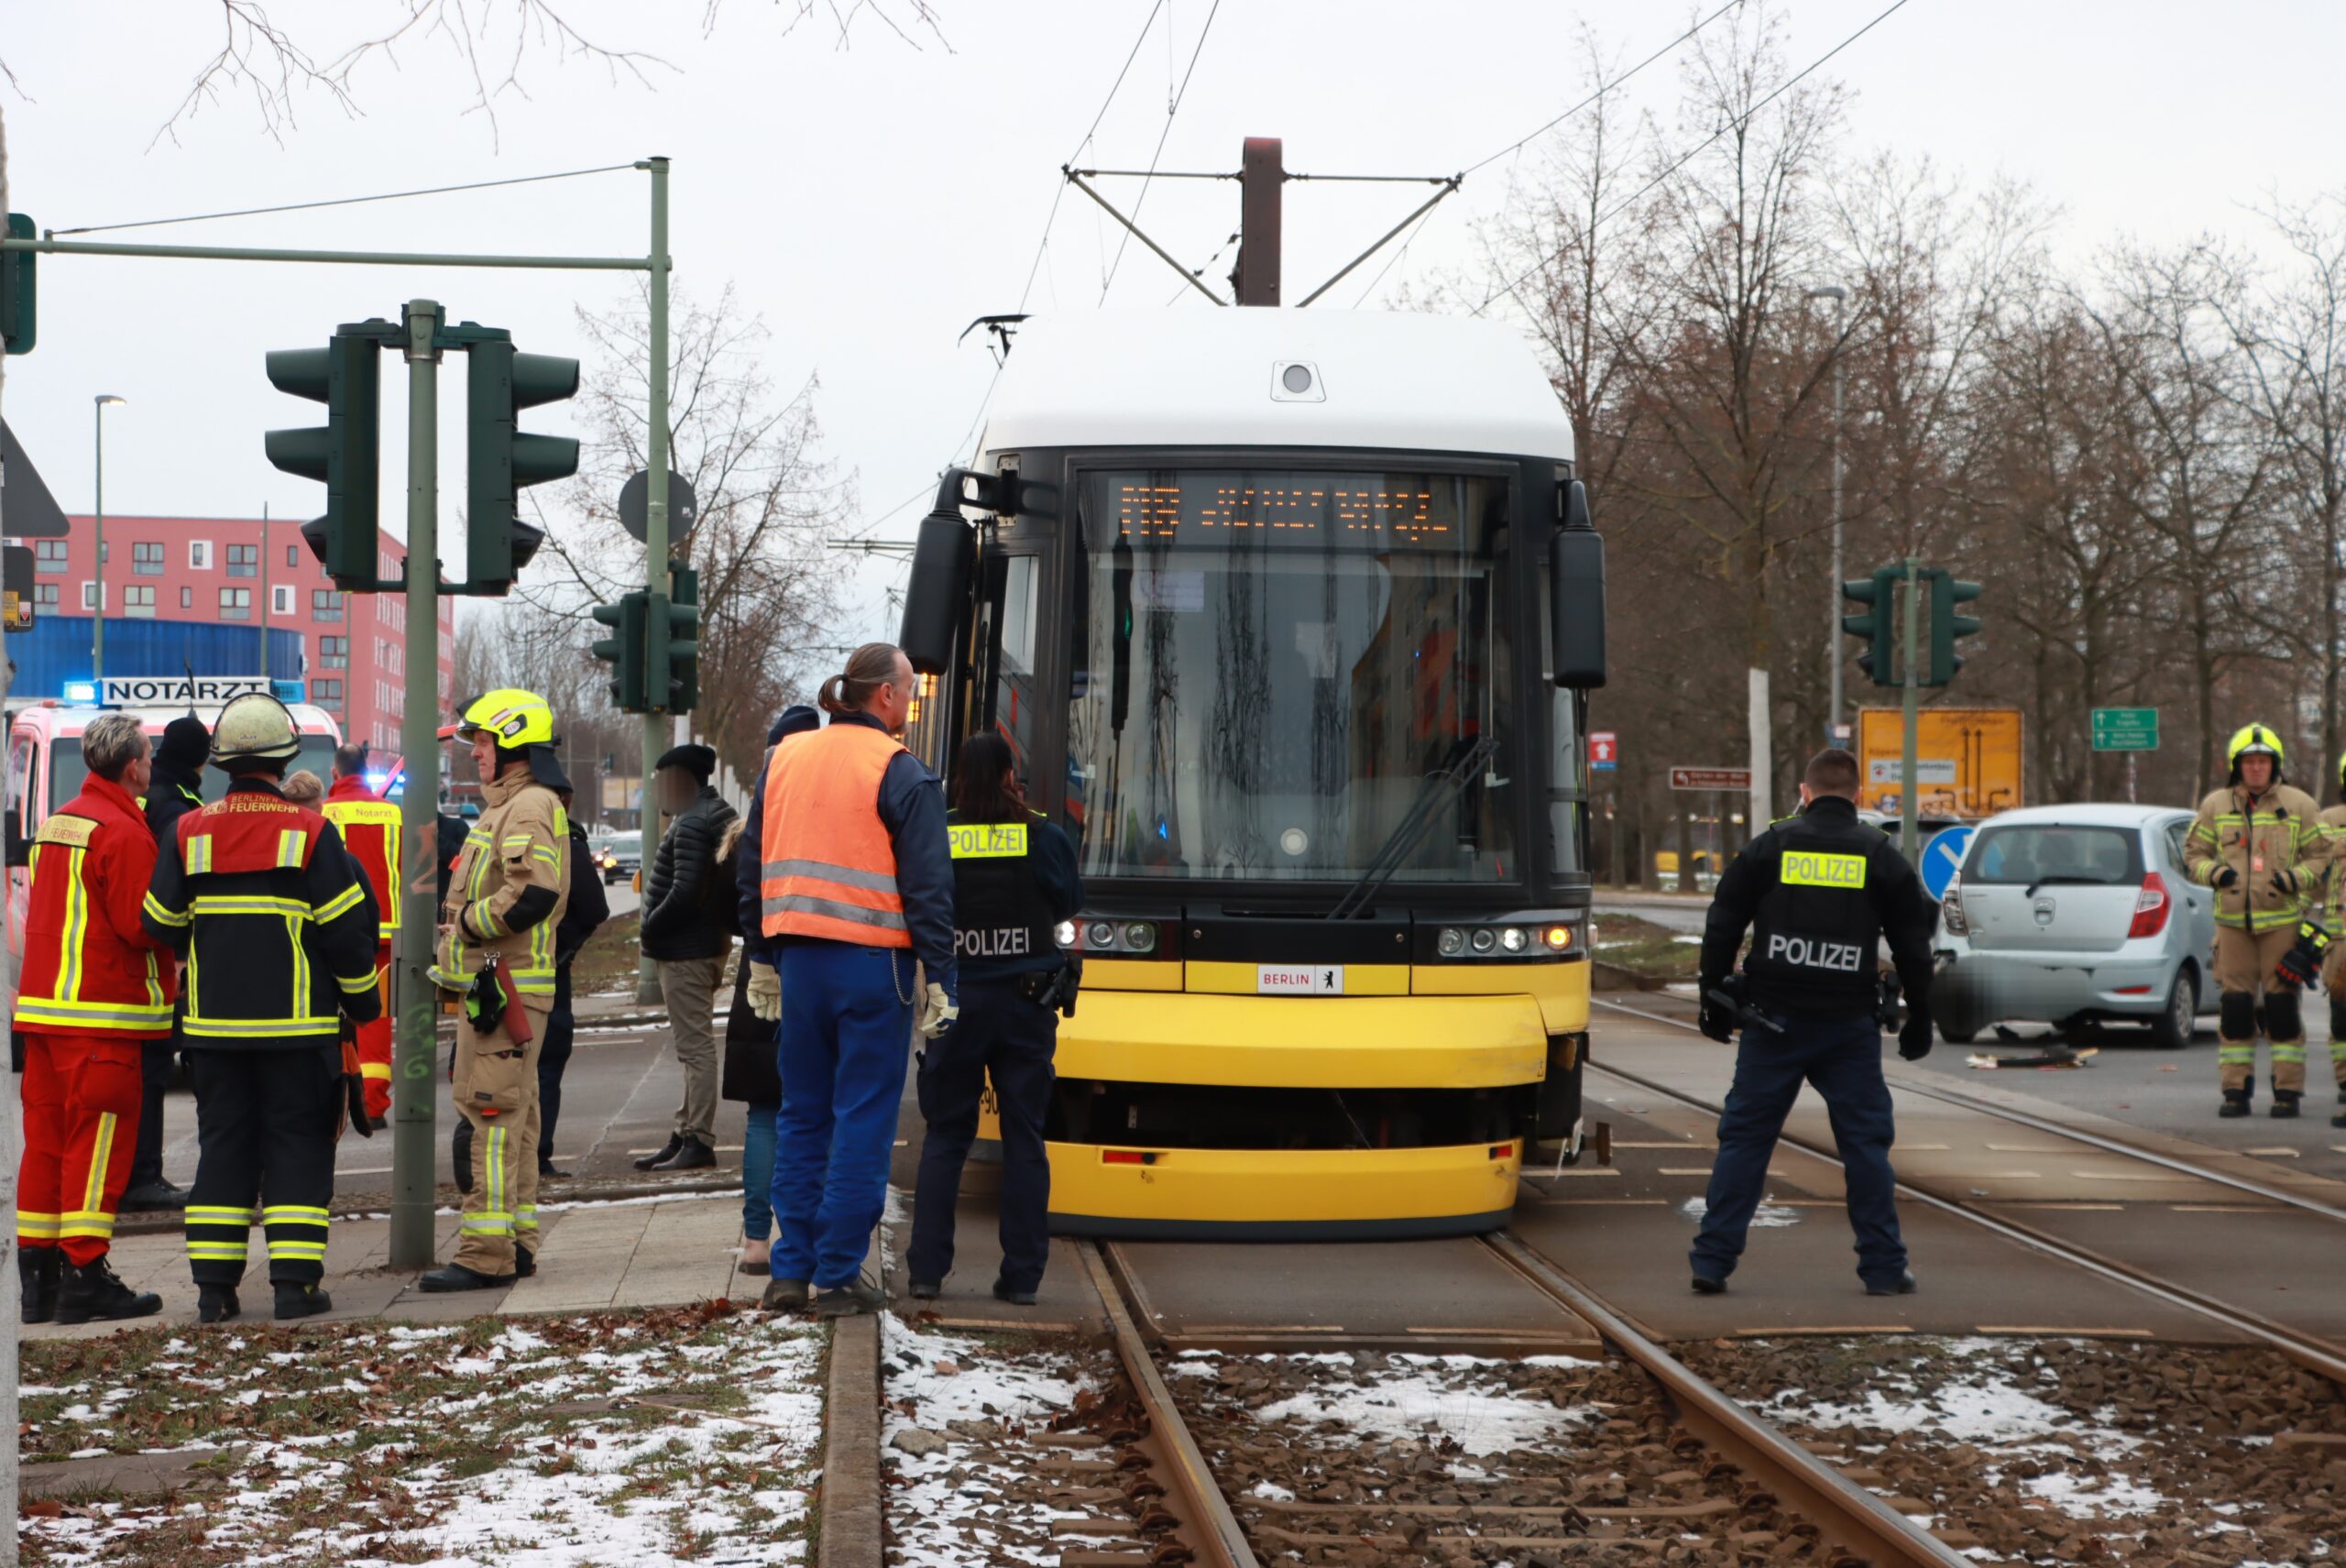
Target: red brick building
248,571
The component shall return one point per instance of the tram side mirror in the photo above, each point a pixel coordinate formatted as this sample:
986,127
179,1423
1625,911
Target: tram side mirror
944,558
1576,596
19,853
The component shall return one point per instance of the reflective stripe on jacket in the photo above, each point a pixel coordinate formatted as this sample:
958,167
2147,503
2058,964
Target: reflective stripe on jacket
369,827
509,887
90,966
273,917
2258,835
828,866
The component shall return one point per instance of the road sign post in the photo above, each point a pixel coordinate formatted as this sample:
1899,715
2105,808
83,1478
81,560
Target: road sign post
415,1042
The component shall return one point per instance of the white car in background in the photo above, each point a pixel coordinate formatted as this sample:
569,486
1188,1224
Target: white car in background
2071,915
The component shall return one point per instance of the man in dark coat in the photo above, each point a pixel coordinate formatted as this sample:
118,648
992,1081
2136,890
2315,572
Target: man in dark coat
687,931
176,788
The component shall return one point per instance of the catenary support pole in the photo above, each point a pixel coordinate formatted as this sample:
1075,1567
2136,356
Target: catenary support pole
414,1084
655,541
1908,784
98,543
1763,747
1834,656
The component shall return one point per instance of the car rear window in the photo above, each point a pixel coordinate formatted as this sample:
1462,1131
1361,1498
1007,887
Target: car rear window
2033,853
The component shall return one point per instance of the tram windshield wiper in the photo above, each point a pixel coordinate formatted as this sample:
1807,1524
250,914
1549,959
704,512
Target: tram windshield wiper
1441,789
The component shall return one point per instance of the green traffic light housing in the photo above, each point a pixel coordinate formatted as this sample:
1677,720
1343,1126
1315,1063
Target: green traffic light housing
624,650
1946,592
503,460
17,292
1877,624
681,649
345,451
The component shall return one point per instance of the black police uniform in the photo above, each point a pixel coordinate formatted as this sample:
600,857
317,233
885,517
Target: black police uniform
1011,882
1817,892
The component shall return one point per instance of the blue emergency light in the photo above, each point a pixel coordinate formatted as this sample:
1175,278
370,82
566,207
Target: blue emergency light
290,691
82,691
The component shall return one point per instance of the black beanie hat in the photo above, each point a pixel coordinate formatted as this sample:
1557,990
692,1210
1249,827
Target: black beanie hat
186,743
695,759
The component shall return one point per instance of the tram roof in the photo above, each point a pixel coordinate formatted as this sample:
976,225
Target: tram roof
1206,377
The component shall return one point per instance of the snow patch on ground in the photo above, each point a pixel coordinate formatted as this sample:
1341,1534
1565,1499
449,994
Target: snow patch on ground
1767,1217
1451,1395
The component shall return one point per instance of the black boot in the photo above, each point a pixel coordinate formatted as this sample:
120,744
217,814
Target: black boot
2284,1104
37,1268
456,1277
2235,1102
150,1196
87,1293
665,1153
525,1263
301,1301
690,1154
216,1303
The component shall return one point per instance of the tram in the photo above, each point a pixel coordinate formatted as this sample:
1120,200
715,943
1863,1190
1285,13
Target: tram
1292,619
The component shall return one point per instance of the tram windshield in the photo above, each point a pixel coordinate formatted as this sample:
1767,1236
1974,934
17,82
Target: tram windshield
1273,671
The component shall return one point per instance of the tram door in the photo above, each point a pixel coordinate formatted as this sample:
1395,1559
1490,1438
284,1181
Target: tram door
1005,692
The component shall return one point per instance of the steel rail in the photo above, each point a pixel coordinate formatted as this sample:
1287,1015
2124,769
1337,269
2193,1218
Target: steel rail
1952,1096
1849,1515
2313,1354
1207,1523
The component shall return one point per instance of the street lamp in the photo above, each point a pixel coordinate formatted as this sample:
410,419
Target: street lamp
1832,658
98,531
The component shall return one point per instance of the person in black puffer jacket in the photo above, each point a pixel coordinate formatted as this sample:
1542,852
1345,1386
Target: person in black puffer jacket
176,788
688,923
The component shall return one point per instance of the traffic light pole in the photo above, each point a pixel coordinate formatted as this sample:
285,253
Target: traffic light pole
415,1040
655,544
1909,816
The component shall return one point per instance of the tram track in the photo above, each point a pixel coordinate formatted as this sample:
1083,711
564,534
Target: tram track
2308,1351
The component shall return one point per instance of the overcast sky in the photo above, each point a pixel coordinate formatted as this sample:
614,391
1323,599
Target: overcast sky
869,202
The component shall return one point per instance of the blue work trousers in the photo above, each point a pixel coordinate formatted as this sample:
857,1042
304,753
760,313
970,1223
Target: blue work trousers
846,1034
757,1171
1003,1034
1842,1058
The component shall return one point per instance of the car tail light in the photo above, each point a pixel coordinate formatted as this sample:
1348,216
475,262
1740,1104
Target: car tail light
1951,908
2151,908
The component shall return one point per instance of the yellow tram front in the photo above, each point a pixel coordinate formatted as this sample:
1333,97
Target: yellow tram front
1311,711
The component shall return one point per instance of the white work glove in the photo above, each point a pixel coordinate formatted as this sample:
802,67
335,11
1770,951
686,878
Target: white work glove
937,1012
765,991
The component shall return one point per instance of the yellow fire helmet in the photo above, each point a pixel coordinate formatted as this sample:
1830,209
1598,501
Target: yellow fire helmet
2253,738
516,718
254,725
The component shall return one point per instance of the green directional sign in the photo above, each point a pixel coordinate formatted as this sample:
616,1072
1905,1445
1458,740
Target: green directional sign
2125,729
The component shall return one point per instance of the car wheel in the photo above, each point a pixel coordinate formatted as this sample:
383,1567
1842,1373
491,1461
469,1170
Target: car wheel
2172,1029
1958,1036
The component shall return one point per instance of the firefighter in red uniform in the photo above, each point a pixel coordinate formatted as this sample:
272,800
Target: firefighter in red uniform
278,927
369,827
97,987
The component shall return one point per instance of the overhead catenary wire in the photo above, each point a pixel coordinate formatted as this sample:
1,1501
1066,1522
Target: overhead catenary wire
1520,142
351,200
1173,108
1693,152
1059,190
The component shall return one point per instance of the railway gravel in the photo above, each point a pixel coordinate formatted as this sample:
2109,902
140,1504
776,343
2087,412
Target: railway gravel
1362,1457
2054,1451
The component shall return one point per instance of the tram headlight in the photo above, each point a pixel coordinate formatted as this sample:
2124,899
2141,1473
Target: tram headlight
1450,943
1064,932
1485,940
1101,937
1140,936
1513,939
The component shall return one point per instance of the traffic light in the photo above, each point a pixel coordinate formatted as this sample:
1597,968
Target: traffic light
501,460
1946,592
683,639
1878,625
16,291
345,451
624,649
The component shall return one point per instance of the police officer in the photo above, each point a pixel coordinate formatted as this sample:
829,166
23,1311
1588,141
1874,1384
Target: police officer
277,927
1819,891
1014,879
505,904
2259,843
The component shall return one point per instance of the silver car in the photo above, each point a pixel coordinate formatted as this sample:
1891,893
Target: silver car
2071,915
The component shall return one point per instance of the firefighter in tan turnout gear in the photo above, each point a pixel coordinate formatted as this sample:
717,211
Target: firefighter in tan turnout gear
495,950
2333,958
2259,843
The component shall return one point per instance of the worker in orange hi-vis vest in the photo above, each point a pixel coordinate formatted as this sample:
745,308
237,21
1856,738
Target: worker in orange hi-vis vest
96,988
369,827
